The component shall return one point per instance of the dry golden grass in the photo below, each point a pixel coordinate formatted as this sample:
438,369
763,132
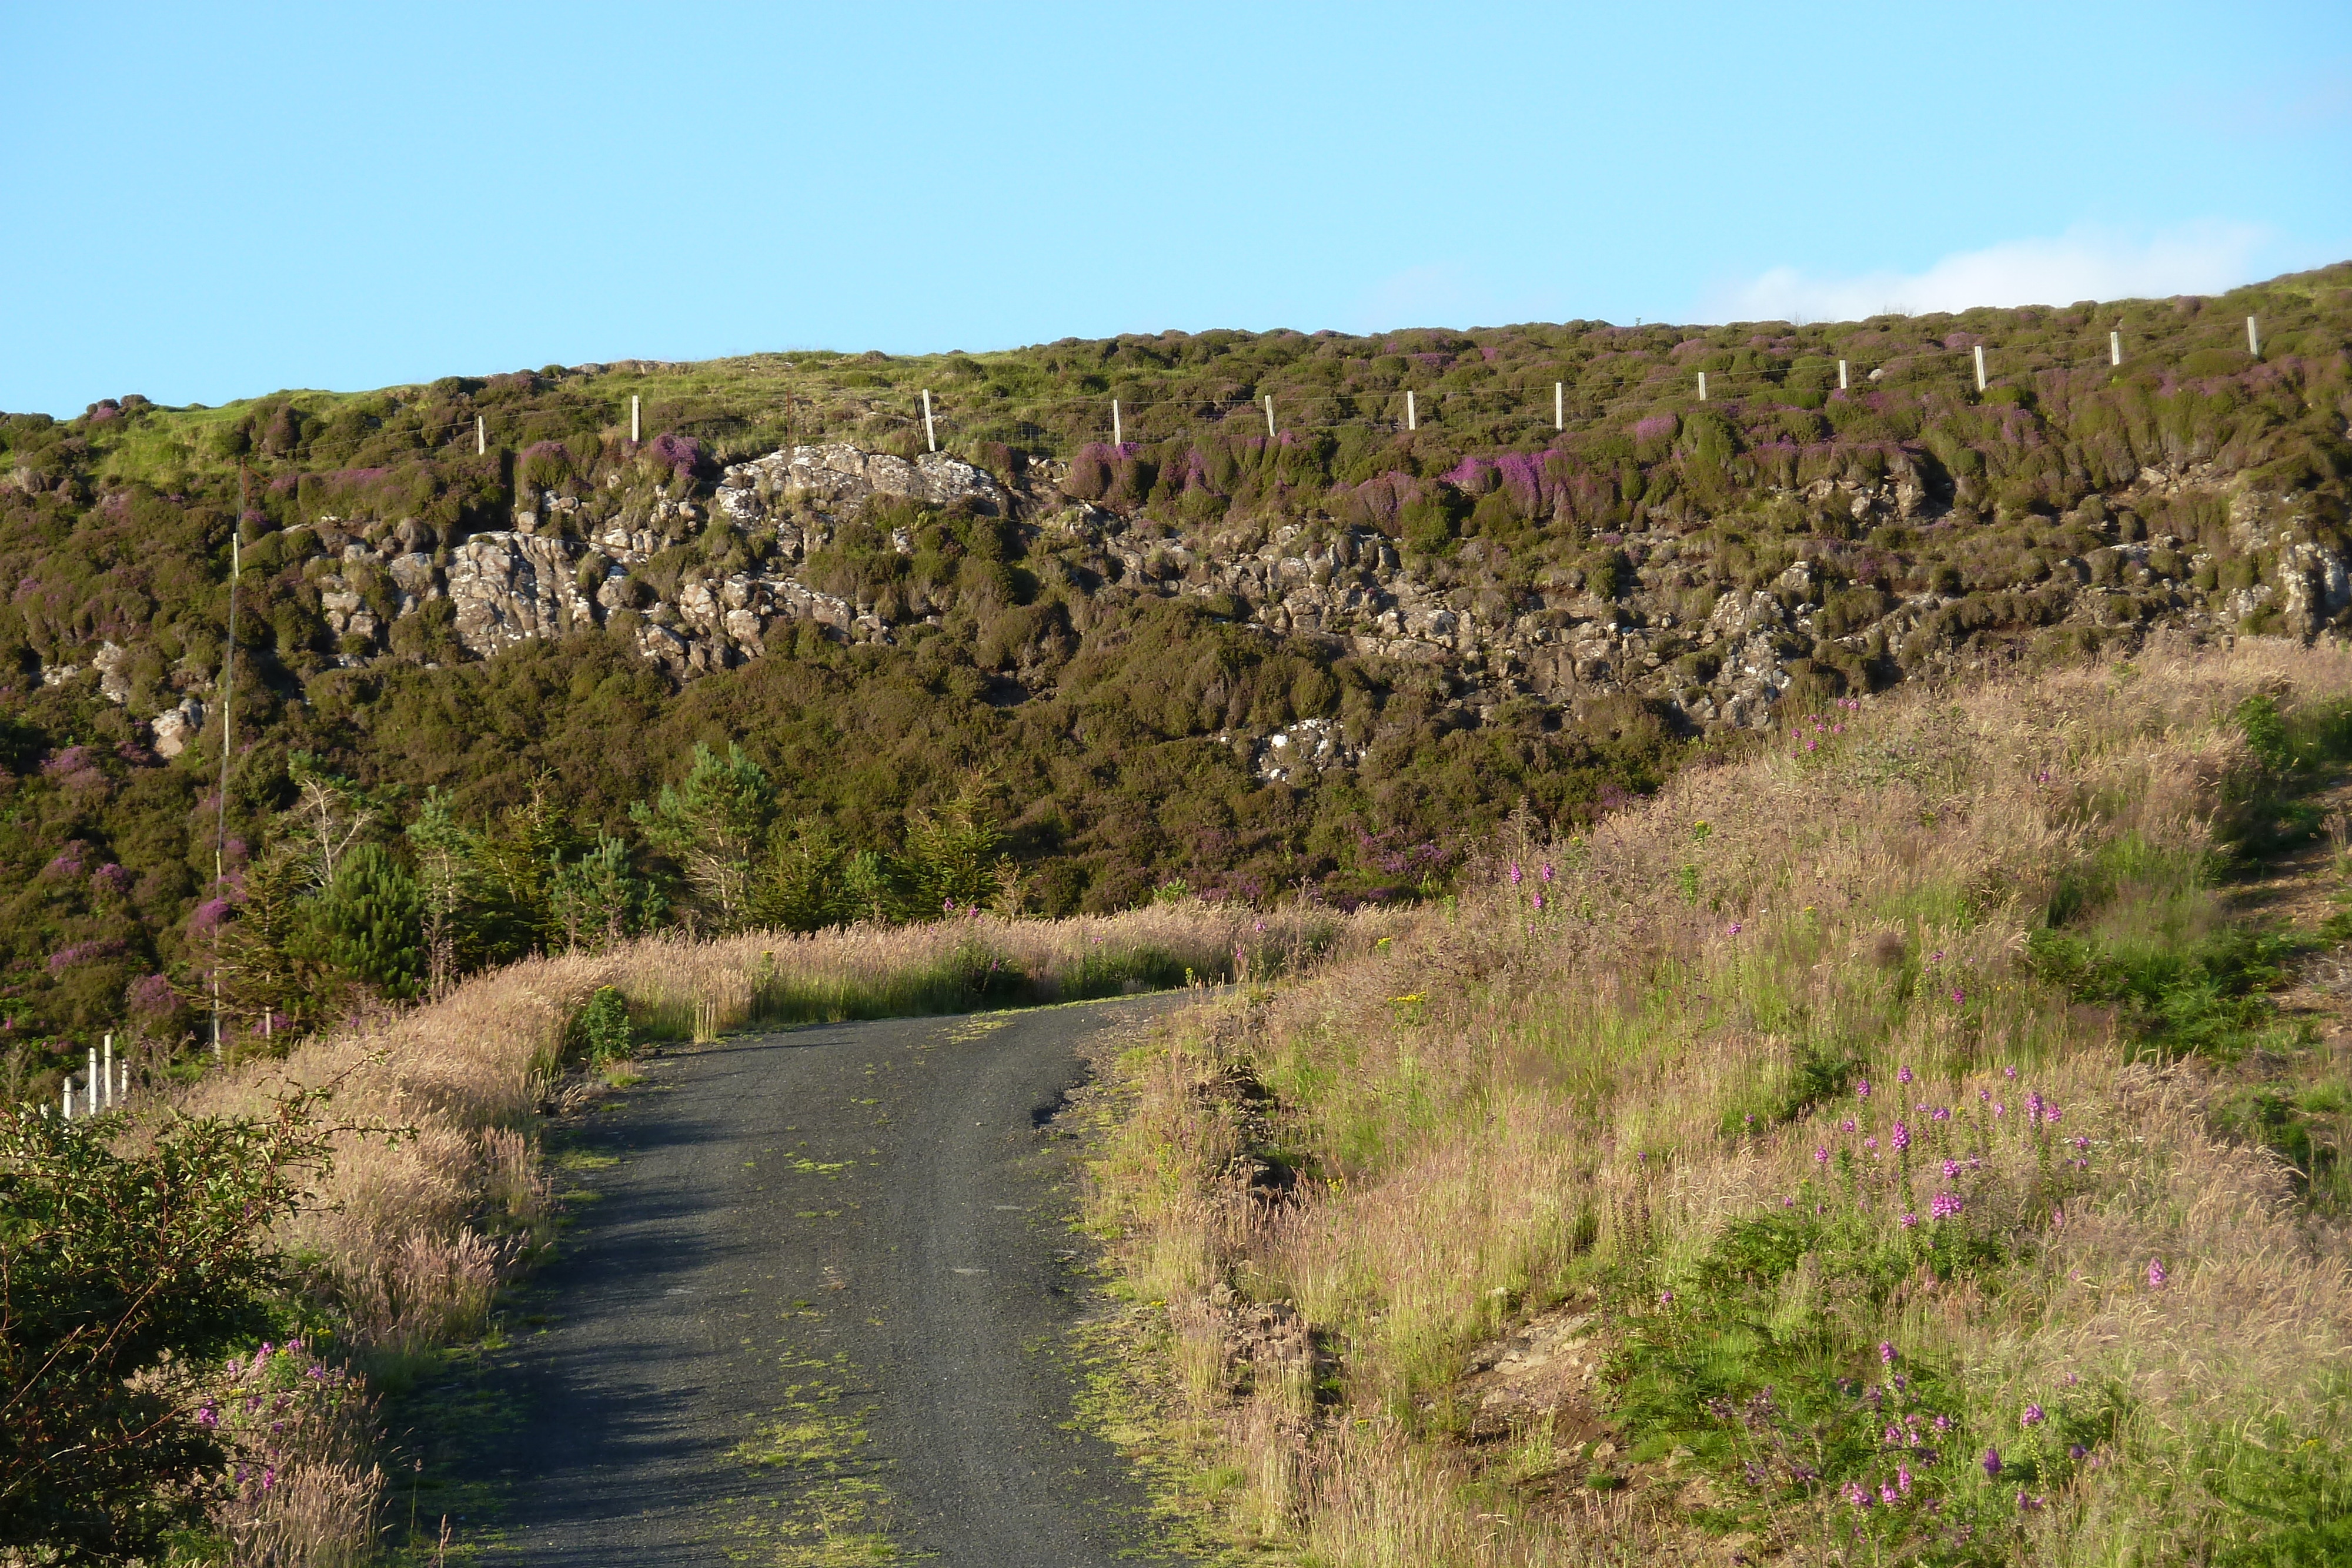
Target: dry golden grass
415,1232
1551,1089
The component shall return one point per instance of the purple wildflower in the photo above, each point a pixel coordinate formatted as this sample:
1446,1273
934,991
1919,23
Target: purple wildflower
1902,1136
2156,1274
1991,1463
2033,1416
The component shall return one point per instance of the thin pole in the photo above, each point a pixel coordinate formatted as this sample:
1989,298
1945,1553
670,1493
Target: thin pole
1269,417
228,718
1411,421
1702,386
1117,431
95,1084
1980,381
481,437
1841,380
2254,338
2114,348
106,1078
68,1099
636,430
1559,405
931,436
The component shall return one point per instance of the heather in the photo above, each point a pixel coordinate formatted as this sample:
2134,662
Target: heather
1101,697
1913,1143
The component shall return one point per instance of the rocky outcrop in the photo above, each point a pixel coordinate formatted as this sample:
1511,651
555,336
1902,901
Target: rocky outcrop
176,728
1658,624
508,587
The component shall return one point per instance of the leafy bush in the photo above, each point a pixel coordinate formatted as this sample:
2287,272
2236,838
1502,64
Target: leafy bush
119,1273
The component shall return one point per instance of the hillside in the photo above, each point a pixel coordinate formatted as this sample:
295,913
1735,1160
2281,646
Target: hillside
1279,638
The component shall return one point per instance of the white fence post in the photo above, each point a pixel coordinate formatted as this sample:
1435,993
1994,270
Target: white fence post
1559,407
1410,422
637,429
1269,417
2254,338
91,1085
2114,348
1702,386
1842,382
106,1080
1980,381
930,435
68,1097
1117,431
481,437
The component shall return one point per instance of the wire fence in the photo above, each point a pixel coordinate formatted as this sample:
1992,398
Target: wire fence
1507,409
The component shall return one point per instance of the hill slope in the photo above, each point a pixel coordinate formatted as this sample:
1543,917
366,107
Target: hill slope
1281,635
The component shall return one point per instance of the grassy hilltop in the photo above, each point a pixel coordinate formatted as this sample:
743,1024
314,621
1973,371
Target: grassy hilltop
1034,701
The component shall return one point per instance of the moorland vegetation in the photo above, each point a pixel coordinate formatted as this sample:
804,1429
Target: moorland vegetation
1920,1142
397,812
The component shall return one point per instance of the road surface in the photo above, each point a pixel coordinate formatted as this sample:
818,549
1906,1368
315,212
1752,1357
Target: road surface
814,1310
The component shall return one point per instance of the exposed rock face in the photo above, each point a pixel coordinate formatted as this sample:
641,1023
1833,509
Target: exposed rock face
1660,626
838,477
175,728
113,683
511,586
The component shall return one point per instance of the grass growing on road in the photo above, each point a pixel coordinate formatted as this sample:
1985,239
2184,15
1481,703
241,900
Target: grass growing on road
1916,1142
406,1250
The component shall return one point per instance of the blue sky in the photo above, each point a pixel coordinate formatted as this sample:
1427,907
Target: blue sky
208,203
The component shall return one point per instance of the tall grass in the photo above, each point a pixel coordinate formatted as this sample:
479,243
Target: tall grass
406,1248
1625,1078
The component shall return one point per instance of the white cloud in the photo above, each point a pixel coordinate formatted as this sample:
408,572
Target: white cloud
2082,263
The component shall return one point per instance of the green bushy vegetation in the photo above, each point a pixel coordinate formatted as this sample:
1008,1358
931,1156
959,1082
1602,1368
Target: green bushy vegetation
123,1274
1076,721
1952,1179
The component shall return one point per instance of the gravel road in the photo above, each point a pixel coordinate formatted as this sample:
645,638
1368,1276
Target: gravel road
813,1311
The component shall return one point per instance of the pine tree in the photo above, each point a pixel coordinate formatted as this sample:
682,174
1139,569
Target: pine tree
595,899
713,826
370,923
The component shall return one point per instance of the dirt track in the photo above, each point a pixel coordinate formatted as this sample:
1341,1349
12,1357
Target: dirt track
816,1312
